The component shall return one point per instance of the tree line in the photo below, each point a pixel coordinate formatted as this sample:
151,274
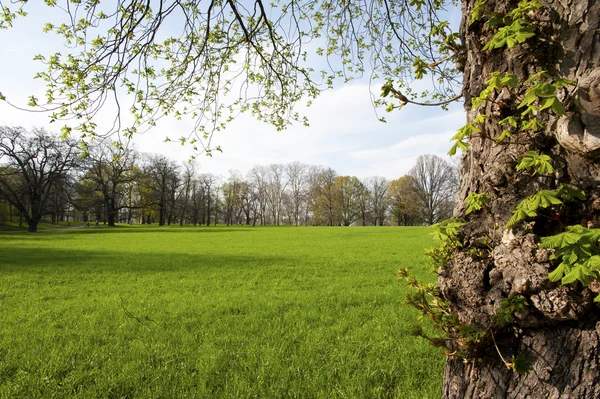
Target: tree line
44,177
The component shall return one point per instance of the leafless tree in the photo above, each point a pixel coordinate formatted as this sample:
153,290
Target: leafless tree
276,185
297,188
436,182
110,170
378,204
163,183
32,165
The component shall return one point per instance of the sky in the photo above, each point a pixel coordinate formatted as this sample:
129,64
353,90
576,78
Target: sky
344,134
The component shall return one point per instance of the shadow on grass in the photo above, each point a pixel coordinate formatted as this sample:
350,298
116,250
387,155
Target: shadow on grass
39,260
63,233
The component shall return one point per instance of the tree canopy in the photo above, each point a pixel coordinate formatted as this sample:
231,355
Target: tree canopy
209,61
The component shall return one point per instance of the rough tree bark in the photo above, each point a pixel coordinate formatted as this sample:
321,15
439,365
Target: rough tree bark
559,334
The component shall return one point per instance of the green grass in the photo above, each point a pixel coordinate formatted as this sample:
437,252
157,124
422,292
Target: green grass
138,312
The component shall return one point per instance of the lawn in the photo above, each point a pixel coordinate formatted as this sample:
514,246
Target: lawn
182,312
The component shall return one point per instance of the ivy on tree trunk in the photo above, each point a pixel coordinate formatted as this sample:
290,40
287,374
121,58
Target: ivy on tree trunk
559,332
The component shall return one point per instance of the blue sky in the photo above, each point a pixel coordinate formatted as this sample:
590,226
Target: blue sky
344,131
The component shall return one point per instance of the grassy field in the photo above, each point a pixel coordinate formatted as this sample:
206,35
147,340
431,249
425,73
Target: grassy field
138,312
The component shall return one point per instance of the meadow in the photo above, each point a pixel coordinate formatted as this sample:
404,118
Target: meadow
217,312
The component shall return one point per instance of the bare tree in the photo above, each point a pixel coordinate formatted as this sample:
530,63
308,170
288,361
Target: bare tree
258,178
209,193
110,170
32,164
187,193
276,185
436,183
377,187
163,183
297,187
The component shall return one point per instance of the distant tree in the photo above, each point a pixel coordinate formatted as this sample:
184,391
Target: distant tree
403,201
348,192
378,204
297,190
162,184
232,192
314,177
110,170
188,180
32,164
436,182
325,211
208,192
258,179
276,185
60,200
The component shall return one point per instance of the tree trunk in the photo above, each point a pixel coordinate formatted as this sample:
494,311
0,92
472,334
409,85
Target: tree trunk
32,226
559,333
566,366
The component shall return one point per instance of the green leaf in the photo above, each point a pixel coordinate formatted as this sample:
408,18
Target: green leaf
65,132
578,273
558,273
510,120
475,201
505,134
544,90
530,98
567,193
561,240
510,80
520,364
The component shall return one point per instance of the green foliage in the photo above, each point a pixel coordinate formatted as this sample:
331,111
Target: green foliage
511,29
496,82
516,33
478,11
466,132
192,71
543,90
508,307
579,253
535,163
456,338
475,201
529,207
446,234
520,364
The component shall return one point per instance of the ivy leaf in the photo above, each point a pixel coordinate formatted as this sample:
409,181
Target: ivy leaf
578,273
530,98
544,90
554,104
561,240
520,214
567,193
547,198
510,120
505,134
522,35
459,144
558,273
520,364
510,80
